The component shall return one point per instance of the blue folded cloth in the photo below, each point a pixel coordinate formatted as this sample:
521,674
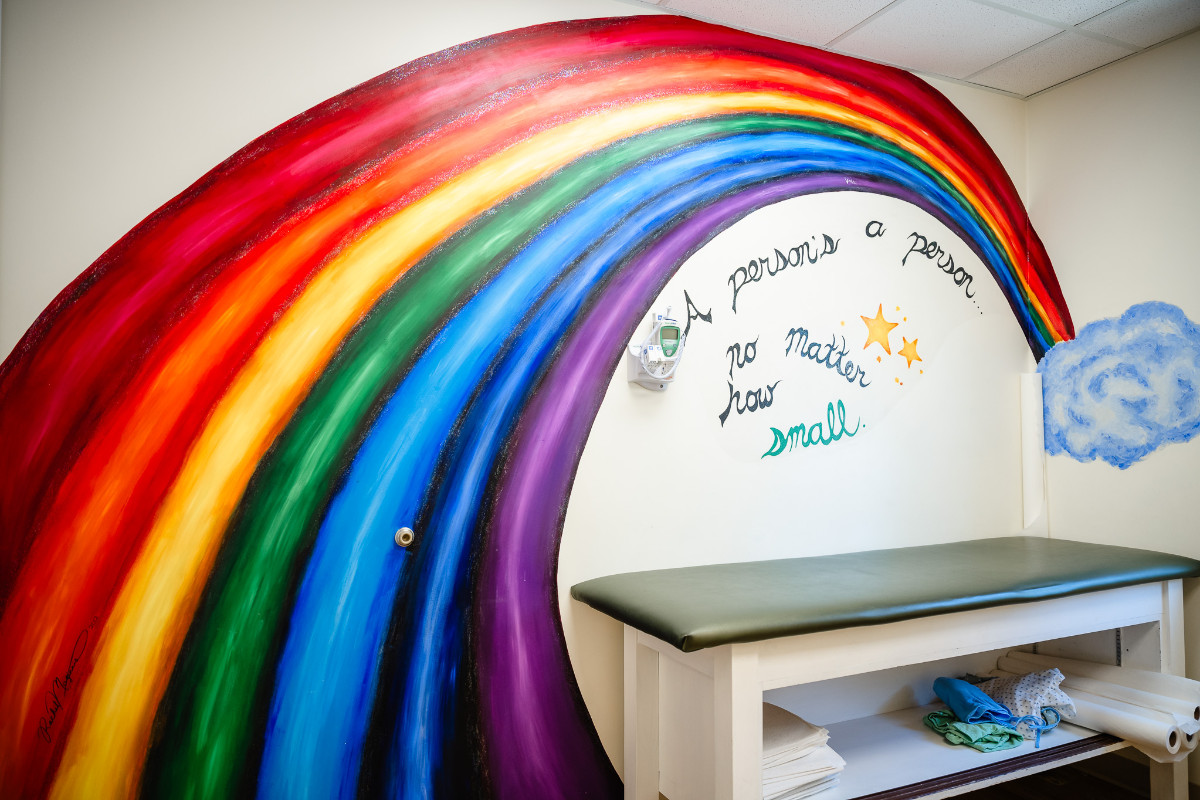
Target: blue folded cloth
971,705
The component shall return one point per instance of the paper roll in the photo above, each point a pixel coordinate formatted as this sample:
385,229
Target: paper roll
1184,714
1155,682
1153,733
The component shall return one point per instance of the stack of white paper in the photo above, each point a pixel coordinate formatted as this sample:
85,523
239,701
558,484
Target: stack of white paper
796,762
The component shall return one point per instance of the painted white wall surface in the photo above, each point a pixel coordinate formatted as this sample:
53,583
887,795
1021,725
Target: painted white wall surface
920,482
1113,165
924,453
109,109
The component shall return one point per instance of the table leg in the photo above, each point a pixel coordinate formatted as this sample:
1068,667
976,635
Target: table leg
1170,781
641,719
737,711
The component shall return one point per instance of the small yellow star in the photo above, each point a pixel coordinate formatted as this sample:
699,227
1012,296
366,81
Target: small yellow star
878,330
909,351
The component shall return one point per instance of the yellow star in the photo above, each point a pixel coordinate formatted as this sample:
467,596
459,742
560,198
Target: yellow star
878,330
909,351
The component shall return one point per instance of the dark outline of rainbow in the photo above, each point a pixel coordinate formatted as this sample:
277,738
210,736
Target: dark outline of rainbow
108,398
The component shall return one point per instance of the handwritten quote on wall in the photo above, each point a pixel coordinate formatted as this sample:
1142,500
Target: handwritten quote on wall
802,351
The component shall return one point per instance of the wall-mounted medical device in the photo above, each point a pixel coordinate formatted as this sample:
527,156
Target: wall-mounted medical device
653,362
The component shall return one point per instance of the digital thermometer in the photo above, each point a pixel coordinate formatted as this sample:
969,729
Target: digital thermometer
652,364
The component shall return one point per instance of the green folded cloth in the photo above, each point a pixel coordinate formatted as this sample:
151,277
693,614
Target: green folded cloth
984,736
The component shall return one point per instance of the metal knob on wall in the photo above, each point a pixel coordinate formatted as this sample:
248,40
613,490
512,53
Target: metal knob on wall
405,537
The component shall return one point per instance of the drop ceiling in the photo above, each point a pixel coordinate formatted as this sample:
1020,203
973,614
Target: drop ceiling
1018,47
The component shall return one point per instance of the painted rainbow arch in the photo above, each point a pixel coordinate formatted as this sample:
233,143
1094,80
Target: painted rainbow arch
400,308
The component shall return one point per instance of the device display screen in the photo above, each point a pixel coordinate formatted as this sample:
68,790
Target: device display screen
670,339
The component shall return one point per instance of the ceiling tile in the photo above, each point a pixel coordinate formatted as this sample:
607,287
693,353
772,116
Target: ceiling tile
1147,22
809,21
944,37
1068,12
1049,63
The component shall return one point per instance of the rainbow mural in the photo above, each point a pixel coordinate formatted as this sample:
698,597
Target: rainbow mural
401,308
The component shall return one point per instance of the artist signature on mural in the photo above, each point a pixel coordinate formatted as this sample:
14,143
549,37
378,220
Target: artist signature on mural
63,684
815,433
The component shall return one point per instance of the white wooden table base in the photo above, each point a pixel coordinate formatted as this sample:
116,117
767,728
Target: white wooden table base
712,698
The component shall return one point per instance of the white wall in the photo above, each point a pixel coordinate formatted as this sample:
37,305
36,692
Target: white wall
934,456
109,109
934,472
1113,163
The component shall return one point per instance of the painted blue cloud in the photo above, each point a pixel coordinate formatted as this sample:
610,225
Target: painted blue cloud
1124,387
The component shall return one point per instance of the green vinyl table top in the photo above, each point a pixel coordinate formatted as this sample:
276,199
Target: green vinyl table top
706,606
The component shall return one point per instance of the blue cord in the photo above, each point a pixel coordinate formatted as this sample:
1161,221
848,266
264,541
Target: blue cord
1038,724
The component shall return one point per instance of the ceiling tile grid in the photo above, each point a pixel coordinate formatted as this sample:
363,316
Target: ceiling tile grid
815,22
928,36
1019,47
1146,22
1064,12
1048,63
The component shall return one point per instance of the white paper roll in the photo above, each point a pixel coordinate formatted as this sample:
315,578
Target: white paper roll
1151,732
1185,715
1174,686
